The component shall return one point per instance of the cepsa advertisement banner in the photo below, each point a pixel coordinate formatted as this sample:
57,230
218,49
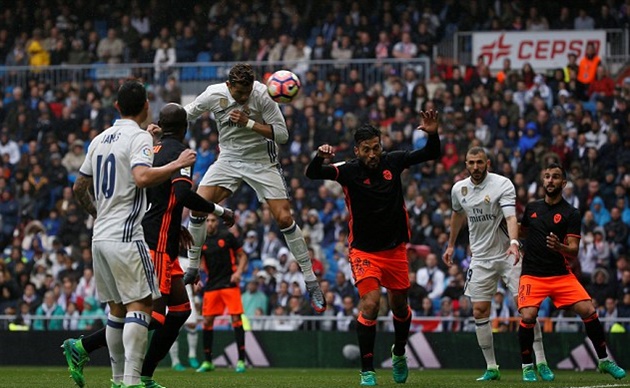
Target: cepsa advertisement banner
543,50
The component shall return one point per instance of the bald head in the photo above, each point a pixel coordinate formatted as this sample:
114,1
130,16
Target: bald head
173,120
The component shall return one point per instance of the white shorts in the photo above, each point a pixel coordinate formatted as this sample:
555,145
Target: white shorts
265,178
483,278
194,313
123,271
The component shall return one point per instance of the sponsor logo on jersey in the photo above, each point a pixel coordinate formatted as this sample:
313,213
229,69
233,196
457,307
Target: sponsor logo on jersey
367,181
534,215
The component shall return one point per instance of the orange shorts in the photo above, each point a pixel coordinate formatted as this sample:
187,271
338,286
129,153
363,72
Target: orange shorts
389,267
564,291
216,301
166,268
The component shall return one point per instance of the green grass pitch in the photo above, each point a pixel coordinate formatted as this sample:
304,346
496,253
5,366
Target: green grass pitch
98,377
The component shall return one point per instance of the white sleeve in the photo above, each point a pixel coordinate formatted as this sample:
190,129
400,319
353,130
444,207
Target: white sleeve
508,199
455,205
86,167
273,116
198,106
141,150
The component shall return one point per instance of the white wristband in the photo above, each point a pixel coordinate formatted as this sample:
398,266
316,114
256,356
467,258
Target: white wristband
250,124
515,242
218,210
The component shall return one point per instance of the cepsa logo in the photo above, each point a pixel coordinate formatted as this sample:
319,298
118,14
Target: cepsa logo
541,50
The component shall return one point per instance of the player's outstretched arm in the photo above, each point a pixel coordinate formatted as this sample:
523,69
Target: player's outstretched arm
316,168
433,149
429,121
146,176
81,189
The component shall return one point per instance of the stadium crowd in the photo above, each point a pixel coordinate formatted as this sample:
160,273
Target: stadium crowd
523,117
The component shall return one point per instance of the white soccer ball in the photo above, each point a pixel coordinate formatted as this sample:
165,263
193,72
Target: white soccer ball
351,352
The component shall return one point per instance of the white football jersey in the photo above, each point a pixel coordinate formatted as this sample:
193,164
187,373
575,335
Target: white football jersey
486,206
238,142
120,204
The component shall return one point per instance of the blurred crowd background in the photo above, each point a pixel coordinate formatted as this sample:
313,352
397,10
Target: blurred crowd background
525,118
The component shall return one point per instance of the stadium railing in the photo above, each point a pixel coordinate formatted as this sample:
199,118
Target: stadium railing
194,77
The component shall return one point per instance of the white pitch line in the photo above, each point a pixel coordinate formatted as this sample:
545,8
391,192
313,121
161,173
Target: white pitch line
598,386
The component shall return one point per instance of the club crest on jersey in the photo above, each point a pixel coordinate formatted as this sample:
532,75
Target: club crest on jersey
387,175
464,190
221,243
486,199
557,218
223,103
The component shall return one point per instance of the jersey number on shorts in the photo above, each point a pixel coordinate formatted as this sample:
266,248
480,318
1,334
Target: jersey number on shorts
525,290
106,186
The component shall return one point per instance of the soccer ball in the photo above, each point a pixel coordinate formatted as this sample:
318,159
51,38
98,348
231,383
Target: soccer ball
283,86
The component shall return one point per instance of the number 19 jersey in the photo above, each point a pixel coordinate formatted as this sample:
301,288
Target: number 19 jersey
120,204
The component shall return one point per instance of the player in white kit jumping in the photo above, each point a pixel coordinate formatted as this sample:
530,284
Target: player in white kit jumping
250,126
487,201
119,166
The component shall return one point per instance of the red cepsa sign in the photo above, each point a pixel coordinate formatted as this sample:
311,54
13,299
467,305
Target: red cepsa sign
543,50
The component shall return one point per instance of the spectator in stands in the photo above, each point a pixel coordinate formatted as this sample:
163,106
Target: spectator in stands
38,55
431,277
163,61
51,310
111,48
588,64
583,21
405,48
254,299
563,21
535,21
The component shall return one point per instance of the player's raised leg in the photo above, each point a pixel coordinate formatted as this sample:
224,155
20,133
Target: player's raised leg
281,210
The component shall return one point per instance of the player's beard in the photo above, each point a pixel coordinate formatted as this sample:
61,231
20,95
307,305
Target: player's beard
553,193
478,177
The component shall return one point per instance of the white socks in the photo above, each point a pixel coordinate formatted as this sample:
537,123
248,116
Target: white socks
193,337
174,353
114,337
539,350
198,230
297,246
485,340
136,338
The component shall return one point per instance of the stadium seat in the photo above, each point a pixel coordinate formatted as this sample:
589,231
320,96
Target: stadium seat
188,74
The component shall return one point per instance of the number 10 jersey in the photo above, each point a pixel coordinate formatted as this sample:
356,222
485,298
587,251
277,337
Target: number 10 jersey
120,204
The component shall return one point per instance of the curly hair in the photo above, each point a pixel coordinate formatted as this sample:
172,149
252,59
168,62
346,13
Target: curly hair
366,132
241,73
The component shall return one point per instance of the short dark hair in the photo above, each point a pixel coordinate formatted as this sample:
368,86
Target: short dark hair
131,98
366,132
558,166
476,151
173,120
241,73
